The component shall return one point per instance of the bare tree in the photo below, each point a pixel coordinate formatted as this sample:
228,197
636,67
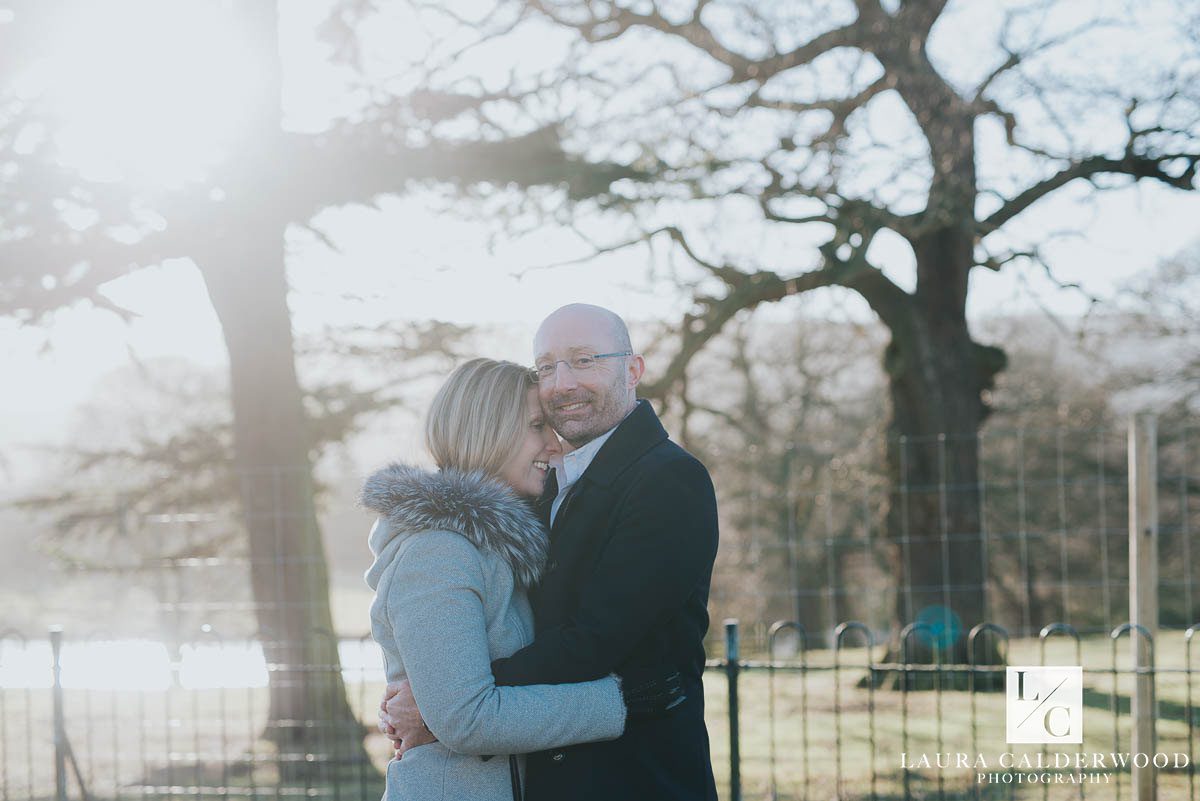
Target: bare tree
786,147
156,438
786,418
64,236
1161,315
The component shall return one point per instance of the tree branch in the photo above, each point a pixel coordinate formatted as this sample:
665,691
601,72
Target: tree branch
373,163
747,290
1135,166
605,28
1017,56
847,36
1010,62
841,108
105,258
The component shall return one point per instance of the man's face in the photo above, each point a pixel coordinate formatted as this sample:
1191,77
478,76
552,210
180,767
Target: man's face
582,405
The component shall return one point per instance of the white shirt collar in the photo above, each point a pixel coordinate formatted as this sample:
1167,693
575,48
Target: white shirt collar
575,462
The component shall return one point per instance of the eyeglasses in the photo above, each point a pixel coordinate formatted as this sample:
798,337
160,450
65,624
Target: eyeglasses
577,364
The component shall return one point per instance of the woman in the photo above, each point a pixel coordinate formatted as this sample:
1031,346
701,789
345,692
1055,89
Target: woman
455,552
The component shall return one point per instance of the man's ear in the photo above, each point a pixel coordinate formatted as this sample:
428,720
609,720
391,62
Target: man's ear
634,370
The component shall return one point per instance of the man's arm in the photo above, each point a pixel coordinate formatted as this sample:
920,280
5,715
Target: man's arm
663,546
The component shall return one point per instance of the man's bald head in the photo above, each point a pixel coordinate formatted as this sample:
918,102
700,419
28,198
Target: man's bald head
580,317
583,404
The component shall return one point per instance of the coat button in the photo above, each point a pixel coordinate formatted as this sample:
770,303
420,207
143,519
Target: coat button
558,756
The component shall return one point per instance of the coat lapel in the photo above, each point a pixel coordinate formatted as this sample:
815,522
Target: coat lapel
637,433
546,502
566,504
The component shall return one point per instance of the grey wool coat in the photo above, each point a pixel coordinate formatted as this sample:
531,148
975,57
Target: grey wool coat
455,554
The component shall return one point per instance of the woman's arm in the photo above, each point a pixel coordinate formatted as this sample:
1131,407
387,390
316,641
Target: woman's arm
436,608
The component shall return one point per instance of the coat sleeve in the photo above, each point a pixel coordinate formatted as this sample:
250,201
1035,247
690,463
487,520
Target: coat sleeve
662,549
436,609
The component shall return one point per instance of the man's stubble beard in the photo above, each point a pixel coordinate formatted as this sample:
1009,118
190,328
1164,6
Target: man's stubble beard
581,432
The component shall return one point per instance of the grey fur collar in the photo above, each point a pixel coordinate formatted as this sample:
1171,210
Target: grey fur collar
484,510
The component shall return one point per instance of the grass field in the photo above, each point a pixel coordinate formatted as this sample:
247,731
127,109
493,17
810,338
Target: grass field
830,738
826,737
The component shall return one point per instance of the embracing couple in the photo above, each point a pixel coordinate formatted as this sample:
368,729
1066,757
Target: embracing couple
541,605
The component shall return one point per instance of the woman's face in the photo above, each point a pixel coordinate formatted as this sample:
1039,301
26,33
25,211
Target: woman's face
525,471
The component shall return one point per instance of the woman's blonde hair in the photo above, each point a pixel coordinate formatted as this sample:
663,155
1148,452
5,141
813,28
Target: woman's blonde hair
477,418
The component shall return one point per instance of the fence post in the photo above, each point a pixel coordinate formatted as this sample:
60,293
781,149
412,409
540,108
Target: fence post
1143,592
60,742
731,676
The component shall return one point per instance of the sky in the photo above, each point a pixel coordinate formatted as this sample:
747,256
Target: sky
403,260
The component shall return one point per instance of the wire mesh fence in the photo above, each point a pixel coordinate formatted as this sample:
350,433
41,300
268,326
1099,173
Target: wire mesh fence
810,540
802,724
123,719
189,679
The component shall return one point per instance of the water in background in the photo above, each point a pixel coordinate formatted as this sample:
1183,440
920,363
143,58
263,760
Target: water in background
146,664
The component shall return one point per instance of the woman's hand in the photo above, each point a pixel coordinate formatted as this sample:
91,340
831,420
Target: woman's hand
400,720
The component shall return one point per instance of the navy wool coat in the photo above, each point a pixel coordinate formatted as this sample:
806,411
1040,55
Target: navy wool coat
626,590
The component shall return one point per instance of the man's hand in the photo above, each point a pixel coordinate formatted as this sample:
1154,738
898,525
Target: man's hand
400,720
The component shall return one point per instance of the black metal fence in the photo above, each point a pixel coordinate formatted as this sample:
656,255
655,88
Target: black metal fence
165,683
830,732
792,722
98,719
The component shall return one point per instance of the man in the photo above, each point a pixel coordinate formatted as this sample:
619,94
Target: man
633,535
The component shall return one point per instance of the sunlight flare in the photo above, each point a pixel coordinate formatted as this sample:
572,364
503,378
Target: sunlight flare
144,92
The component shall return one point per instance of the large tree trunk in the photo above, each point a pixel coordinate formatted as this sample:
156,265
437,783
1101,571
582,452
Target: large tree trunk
936,377
309,718
308,713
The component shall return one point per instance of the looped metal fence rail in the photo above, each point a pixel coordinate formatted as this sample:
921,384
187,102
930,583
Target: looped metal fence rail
830,730
948,706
